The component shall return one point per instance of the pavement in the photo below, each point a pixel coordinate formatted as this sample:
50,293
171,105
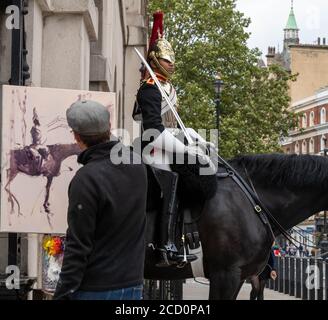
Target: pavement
199,290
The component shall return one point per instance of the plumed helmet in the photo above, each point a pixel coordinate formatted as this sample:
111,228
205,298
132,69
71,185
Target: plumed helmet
159,47
162,49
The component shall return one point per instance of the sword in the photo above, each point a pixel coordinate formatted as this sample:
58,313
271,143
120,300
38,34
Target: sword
164,95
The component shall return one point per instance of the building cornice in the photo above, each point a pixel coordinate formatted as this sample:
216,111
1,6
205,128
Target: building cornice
87,8
310,102
45,5
308,133
309,46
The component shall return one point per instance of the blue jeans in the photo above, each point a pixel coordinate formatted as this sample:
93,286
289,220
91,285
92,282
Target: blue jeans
132,293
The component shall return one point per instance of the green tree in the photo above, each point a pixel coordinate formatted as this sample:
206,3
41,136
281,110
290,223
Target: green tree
209,37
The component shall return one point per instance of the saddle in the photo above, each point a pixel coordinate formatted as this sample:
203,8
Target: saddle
31,159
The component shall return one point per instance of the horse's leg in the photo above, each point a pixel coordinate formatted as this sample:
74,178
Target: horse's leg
261,289
255,282
46,203
238,290
11,198
18,205
224,284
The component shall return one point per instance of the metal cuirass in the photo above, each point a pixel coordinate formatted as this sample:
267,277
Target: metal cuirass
168,118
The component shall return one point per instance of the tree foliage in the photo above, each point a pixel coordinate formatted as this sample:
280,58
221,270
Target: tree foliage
210,38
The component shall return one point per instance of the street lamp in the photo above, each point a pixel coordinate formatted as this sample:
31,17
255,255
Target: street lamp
218,85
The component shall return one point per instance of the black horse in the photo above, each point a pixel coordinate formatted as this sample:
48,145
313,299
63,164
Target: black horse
235,243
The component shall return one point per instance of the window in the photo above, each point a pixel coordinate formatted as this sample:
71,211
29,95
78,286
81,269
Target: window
304,121
323,143
304,147
297,148
311,147
323,116
312,119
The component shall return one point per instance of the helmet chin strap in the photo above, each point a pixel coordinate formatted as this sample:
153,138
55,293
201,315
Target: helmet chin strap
159,66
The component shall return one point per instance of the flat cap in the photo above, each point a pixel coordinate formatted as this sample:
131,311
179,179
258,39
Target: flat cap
88,118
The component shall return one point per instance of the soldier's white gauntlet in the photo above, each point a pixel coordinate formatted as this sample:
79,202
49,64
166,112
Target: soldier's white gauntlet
168,142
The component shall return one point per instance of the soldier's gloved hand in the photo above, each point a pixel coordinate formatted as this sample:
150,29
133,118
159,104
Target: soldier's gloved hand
208,147
196,150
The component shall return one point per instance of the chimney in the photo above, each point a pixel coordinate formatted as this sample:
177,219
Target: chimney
324,41
271,54
318,41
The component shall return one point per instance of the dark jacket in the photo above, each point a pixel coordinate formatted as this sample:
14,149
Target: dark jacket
149,99
105,245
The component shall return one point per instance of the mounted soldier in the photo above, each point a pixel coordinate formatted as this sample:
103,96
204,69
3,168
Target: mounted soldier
37,152
161,146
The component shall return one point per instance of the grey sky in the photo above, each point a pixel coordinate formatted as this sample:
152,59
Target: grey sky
269,18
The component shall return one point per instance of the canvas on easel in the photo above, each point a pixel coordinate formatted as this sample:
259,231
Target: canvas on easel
38,156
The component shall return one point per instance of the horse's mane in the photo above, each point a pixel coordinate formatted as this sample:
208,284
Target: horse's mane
293,171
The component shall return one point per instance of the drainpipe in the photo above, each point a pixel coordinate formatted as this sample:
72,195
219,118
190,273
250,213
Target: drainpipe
19,73
125,42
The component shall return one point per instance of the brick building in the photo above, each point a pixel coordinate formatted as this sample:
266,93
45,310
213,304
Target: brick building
311,135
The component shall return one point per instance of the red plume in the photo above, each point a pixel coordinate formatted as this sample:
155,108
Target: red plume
157,28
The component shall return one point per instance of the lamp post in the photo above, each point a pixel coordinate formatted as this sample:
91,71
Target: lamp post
218,85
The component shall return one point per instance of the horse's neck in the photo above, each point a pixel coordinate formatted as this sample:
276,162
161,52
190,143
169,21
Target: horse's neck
66,150
290,207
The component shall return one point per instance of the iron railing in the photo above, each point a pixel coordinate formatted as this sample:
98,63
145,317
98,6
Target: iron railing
163,289
301,277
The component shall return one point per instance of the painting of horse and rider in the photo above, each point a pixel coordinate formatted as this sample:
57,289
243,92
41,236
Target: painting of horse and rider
39,157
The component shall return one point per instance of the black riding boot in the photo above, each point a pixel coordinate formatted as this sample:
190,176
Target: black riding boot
168,221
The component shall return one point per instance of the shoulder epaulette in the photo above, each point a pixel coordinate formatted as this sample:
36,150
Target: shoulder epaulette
150,81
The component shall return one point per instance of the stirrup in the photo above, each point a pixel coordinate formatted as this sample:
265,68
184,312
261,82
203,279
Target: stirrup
172,257
183,259
164,262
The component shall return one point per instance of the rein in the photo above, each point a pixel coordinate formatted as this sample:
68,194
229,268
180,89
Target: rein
253,197
250,194
282,230
274,221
